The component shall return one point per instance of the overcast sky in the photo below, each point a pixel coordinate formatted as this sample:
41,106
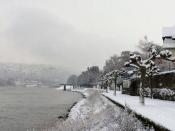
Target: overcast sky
75,34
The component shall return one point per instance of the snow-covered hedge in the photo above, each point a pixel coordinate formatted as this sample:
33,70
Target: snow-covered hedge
147,92
163,93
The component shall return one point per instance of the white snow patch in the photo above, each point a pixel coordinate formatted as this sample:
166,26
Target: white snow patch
82,90
76,112
159,111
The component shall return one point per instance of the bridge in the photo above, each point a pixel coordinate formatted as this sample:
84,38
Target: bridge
66,85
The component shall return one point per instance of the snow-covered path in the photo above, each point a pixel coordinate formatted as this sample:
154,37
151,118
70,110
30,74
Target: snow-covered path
159,111
97,113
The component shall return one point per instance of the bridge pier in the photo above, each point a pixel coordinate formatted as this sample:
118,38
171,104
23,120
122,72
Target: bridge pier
64,87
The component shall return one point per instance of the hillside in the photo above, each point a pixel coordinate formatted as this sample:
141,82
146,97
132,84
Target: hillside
15,74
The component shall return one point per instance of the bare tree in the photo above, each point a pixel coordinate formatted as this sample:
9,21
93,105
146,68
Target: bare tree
145,66
116,62
115,75
72,80
89,77
145,46
111,77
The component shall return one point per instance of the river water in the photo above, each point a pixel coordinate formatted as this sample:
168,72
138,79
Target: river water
27,108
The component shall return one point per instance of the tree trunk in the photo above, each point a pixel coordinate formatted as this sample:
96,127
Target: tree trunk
142,84
142,99
151,87
107,89
64,87
115,87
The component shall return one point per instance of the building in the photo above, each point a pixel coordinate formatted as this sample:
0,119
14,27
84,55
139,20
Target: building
168,37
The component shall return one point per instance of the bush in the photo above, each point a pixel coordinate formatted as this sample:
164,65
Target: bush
163,93
147,92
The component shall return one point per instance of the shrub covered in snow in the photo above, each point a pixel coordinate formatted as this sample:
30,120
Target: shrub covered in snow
147,92
163,93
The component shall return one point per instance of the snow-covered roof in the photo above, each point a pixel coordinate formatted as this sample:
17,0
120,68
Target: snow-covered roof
166,72
168,31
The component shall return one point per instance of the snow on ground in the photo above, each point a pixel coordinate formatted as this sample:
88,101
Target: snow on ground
96,113
76,112
93,103
82,91
159,111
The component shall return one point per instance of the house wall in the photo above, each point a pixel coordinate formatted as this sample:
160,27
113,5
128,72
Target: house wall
165,65
113,86
168,44
169,40
131,87
173,51
166,80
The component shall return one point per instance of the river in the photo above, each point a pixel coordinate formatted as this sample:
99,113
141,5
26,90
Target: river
26,108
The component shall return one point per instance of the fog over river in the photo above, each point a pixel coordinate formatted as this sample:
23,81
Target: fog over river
26,108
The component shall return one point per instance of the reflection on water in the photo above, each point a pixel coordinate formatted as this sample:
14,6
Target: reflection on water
22,108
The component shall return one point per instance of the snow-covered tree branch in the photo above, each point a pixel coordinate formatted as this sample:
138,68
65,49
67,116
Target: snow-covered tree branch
147,67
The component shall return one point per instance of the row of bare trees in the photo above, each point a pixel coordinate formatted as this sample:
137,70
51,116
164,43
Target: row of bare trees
143,65
87,78
115,62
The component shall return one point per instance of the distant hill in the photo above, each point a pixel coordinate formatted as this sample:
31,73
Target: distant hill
10,73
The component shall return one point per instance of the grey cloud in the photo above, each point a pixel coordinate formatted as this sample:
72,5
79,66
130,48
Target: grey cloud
43,36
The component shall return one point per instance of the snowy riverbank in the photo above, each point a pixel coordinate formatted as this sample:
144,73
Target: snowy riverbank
96,113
